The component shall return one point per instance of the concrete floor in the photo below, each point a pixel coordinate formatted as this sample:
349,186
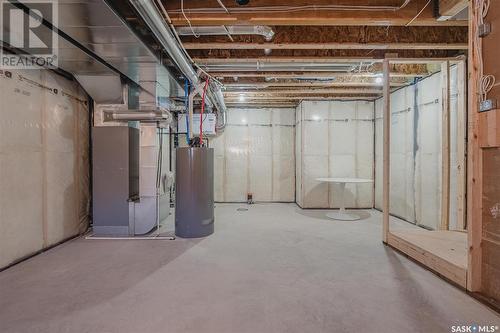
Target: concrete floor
273,268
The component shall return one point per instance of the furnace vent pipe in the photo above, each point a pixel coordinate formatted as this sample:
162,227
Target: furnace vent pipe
262,30
148,12
137,115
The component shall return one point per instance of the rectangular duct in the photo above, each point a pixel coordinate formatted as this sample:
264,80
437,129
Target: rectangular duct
104,89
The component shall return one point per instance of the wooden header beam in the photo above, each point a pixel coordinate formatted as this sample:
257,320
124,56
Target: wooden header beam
306,92
229,99
450,8
325,46
291,75
263,85
208,61
323,12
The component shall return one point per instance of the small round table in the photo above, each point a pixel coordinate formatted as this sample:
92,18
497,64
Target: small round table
342,214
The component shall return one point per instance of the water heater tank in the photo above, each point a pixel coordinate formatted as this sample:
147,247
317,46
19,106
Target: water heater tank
194,192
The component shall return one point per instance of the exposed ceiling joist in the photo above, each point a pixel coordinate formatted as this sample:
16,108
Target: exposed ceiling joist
304,92
302,12
298,98
206,61
325,75
326,46
450,8
266,104
262,85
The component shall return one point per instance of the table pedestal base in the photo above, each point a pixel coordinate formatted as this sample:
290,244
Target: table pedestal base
342,216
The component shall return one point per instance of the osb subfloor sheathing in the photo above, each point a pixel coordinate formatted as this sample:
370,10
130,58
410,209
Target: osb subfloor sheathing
273,268
445,252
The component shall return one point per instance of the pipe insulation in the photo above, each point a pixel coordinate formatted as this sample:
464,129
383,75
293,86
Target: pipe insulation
149,13
262,30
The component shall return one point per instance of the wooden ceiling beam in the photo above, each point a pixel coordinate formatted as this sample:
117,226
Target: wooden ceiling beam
298,98
208,61
264,85
274,104
344,34
303,92
450,8
325,46
333,75
324,12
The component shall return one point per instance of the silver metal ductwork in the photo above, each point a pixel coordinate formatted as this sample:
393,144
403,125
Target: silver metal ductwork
262,30
260,66
157,115
162,32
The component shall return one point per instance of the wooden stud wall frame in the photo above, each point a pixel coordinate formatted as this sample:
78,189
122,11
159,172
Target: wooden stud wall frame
443,251
483,220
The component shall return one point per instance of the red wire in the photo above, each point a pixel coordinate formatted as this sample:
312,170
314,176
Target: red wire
202,110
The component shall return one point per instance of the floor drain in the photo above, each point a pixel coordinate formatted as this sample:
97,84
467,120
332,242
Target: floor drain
242,209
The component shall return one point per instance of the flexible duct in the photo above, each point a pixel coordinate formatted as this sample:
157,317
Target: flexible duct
262,30
156,23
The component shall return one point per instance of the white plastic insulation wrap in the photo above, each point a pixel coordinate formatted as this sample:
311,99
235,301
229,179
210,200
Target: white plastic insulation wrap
256,154
416,151
334,139
44,162
454,147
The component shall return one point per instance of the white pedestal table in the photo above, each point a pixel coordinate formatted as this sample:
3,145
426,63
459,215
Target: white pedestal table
342,214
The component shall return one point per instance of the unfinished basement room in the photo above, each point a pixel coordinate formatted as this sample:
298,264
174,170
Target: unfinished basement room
249,166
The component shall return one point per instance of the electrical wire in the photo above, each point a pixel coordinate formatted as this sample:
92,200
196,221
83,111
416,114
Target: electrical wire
286,9
203,110
418,14
485,82
188,21
404,4
222,5
161,8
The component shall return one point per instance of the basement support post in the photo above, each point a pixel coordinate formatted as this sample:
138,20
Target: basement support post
445,146
387,150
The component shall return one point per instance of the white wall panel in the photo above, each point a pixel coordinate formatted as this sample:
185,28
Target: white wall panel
315,193
283,178
336,140
256,154
378,153
44,162
298,155
402,153
261,177
428,161
219,171
416,151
